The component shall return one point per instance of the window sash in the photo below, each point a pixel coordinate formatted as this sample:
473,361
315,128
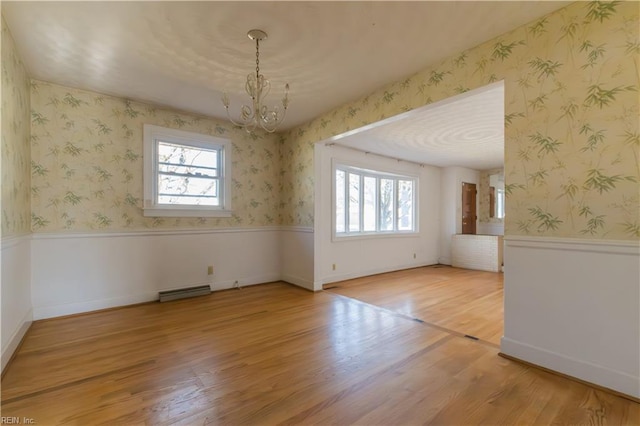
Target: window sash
216,193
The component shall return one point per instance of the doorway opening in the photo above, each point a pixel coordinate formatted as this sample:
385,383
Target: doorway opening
469,216
456,141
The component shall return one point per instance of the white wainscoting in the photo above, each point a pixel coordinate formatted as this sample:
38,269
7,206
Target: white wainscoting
356,258
573,306
73,273
17,313
297,256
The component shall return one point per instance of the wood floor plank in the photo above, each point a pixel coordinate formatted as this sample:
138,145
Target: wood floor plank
276,354
462,300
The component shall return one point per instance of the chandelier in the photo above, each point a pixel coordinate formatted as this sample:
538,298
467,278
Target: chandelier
258,115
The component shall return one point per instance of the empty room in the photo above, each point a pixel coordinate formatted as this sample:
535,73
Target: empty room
320,213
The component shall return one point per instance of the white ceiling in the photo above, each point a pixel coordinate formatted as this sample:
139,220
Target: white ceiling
466,130
185,54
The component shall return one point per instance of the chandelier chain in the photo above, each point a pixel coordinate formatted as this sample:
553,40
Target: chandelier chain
257,58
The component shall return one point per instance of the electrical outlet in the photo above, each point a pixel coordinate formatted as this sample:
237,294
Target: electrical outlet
334,266
210,270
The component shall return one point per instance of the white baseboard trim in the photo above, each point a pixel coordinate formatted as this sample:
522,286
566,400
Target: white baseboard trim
96,305
14,341
245,282
300,282
445,261
44,312
372,271
599,375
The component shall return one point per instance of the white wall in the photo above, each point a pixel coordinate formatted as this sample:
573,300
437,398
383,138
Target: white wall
15,292
451,206
574,306
361,256
74,273
487,228
296,249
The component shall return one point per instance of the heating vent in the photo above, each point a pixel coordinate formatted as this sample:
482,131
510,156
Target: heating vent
183,293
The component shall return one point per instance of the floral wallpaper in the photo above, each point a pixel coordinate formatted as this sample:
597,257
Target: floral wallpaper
572,137
484,197
16,209
297,180
86,164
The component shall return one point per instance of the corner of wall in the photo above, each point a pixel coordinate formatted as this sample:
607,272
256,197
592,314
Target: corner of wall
13,343
15,201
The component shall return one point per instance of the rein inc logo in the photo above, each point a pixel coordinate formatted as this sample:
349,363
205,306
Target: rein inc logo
17,421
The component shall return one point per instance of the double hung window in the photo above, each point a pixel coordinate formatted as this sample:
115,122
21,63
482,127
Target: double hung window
186,174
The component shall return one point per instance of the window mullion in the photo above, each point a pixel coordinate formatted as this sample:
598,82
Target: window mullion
347,202
414,195
377,204
221,178
361,204
155,169
396,195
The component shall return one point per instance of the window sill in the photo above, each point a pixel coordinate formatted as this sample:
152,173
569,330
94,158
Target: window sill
185,212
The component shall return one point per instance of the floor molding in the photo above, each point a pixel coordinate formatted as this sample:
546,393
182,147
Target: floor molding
566,376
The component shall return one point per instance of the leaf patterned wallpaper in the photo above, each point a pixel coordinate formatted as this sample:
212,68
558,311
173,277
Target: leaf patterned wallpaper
572,136
16,208
571,148
86,164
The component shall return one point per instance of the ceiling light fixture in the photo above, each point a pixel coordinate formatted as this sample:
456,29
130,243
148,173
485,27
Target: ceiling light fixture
257,87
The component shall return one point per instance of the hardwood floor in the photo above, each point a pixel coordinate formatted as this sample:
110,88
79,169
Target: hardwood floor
459,300
277,354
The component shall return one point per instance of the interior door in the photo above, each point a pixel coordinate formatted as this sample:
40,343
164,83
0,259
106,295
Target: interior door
469,208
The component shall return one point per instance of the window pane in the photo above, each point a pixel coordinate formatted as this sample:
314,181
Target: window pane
405,205
354,202
386,204
500,204
369,208
187,159
340,205
188,175
187,190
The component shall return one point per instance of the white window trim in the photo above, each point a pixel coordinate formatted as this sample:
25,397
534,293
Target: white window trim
153,134
343,236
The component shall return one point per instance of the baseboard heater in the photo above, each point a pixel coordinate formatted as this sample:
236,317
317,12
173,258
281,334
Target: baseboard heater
183,293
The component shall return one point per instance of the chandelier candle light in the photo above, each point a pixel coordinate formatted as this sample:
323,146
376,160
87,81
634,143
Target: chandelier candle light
257,87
